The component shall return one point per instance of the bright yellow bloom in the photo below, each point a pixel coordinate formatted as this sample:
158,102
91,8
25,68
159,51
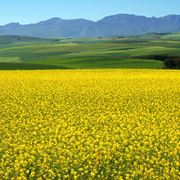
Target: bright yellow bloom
88,124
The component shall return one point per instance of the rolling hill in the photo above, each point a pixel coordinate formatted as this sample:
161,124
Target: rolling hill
148,51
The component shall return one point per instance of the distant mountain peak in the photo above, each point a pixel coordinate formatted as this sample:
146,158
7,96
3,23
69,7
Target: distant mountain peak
115,25
13,24
122,16
52,20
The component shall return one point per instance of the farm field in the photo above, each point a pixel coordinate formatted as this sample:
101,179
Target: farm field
89,124
143,52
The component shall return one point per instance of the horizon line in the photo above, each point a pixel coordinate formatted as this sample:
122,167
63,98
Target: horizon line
19,23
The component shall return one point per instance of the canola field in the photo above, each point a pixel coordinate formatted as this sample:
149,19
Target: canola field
89,124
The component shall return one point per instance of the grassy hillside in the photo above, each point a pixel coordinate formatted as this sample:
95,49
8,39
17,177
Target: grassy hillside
124,52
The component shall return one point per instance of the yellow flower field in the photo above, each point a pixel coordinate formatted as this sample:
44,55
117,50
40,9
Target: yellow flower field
89,124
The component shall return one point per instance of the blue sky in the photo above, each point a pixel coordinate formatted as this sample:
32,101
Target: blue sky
31,11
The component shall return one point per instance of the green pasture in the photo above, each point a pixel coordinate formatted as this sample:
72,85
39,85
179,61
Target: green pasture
114,52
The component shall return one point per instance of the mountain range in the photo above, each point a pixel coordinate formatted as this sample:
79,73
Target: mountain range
116,25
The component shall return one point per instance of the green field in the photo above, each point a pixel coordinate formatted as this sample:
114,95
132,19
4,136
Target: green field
143,52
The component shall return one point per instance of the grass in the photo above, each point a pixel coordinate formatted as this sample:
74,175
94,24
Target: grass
27,66
57,53
10,59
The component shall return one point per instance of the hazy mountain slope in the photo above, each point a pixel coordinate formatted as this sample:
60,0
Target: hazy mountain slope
117,25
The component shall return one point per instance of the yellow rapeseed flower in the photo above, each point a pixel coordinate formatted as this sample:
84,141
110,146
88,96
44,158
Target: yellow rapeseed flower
89,124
